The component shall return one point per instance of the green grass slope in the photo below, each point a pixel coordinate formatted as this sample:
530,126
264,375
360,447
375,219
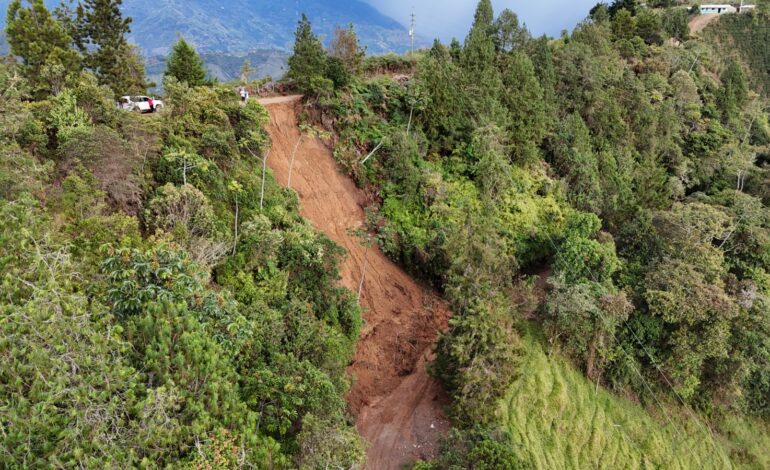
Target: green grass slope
747,441
557,419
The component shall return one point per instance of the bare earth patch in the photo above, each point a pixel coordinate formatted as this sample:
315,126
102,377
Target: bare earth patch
398,406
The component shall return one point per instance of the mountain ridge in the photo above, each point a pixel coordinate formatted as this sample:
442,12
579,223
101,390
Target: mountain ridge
243,26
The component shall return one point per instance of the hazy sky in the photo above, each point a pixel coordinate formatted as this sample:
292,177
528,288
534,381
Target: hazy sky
448,18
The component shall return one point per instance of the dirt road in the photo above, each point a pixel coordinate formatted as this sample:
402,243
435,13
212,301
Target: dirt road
701,21
398,407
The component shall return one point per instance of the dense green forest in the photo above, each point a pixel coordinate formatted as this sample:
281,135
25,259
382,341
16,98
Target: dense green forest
156,310
625,162
165,306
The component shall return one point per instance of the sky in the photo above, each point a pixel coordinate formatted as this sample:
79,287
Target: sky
452,18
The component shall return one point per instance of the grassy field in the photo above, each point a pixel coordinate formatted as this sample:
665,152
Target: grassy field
557,419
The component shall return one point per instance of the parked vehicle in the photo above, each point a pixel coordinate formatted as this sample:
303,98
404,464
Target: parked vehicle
140,104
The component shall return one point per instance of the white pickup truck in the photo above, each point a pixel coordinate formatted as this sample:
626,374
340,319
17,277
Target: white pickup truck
140,104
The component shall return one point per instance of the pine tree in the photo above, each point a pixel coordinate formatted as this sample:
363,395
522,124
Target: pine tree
733,94
541,55
479,50
523,97
484,16
185,64
445,121
509,34
42,44
455,50
129,77
481,78
308,63
100,36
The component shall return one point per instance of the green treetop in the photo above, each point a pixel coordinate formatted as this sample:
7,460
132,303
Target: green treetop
629,5
481,78
734,94
308,62
185,64
484,15
479,52
509,34
42,44
100,30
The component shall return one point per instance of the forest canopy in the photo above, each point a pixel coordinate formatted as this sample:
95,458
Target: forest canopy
593,207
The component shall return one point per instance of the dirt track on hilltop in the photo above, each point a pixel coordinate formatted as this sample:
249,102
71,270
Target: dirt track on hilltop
398,406
700,22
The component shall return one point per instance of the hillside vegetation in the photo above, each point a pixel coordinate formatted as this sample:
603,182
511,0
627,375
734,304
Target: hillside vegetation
593,208
625,162
557,419
747,36
163,304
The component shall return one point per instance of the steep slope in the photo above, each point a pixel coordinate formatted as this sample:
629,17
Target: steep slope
556,418
747,37
398,406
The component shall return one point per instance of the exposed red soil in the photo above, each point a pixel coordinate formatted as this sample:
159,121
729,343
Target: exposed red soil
399,408
698,23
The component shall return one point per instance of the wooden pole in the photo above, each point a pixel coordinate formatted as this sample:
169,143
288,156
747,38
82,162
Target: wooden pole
409,126
264,171
372,152
363,272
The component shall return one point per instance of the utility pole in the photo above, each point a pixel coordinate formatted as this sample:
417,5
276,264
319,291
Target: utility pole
411,31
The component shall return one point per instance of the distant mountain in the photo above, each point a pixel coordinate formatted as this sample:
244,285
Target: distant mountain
246,25
226,32
226,66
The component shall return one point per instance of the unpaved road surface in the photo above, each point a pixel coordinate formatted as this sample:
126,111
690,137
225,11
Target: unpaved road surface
701,21
399,408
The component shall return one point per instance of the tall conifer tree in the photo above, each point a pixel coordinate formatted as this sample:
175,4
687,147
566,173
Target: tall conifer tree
482,81
309,59
101,37
185,64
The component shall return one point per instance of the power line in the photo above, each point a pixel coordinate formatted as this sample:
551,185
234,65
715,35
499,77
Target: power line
638,372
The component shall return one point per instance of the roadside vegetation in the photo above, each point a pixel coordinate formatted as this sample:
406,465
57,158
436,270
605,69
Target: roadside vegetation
156,311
